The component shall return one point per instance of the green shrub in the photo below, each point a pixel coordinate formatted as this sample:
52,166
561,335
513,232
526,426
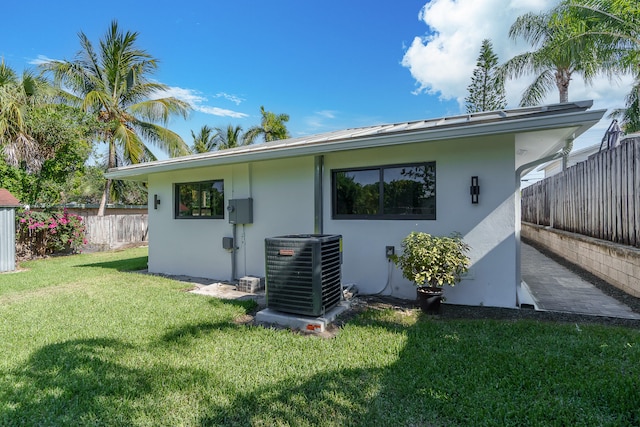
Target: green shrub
433,260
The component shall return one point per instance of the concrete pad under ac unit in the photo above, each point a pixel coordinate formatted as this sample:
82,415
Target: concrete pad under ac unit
304,323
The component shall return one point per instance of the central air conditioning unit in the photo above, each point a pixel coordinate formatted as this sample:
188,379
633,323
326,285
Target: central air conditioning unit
303,273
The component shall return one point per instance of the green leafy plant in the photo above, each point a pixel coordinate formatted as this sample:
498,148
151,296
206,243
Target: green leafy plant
41,233
435,261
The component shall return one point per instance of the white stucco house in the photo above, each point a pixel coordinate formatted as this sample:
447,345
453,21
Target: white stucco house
372,185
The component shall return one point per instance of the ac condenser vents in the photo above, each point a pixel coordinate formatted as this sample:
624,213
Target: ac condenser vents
303,273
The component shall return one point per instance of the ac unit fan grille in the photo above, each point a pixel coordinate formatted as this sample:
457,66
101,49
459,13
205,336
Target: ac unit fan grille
303,273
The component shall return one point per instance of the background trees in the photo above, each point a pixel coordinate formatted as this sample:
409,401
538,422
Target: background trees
272,127
203,142
230,137
43,144
486,91
580,36
613,27
557,54
17,97
111,82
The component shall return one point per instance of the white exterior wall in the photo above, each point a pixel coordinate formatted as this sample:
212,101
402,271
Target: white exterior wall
282,192
283,203
488,227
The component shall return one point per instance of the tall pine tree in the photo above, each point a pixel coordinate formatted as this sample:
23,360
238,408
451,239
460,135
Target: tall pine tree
486,92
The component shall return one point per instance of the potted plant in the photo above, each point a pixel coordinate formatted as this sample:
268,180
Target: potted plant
431,262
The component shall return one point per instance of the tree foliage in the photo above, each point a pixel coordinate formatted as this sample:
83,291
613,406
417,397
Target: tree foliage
613,27
272,127
230,137
486,92
556,56
43,143
204,141
17,96
113,83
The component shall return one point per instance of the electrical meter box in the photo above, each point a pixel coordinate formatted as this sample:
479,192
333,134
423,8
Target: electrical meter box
240,211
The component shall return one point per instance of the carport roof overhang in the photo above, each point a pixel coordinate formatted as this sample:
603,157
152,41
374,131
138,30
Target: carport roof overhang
539,131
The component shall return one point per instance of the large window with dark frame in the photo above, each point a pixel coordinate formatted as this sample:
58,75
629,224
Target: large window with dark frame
385,192
203,199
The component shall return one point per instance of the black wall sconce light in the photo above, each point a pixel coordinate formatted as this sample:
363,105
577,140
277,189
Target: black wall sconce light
475,190
156,201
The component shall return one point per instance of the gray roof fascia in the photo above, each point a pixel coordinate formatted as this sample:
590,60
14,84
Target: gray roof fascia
527,123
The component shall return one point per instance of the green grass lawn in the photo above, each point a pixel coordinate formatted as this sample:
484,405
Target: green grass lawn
84,341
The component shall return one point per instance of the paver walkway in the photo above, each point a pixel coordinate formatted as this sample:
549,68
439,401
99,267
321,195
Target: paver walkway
554,287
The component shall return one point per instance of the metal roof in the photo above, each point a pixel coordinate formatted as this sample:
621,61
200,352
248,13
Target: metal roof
466,125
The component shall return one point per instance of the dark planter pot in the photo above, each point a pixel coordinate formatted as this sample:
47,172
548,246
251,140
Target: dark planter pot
429,299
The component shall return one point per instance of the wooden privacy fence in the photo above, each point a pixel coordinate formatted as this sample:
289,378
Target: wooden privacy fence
113,231
599,198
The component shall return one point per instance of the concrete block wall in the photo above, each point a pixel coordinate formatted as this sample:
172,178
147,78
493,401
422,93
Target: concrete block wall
616,264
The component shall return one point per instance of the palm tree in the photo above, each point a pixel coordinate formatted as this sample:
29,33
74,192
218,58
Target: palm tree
272,127
113,84
13,99
204,141
17,95
558,55
230,137
613,27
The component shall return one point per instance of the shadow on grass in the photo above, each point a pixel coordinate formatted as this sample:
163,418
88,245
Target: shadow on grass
129,264
75,382
246,303
185,334
340,397
445,372
83,382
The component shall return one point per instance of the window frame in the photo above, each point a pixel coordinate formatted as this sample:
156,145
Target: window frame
176,199
381,215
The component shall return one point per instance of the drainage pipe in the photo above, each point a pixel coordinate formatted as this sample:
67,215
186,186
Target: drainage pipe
318,211
234,251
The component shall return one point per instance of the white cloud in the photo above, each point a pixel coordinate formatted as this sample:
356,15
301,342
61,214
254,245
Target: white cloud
198,101
328,114
41,59
319,119
188,95
233,98
442,60
222,112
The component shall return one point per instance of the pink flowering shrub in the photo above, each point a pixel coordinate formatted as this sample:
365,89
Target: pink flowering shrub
42,233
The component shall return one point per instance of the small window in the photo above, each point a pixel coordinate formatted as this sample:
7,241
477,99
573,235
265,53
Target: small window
385,192
200,199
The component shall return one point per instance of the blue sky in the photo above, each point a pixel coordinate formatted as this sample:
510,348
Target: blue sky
330,64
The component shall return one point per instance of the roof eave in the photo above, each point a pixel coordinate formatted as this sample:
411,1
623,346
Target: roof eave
583,119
